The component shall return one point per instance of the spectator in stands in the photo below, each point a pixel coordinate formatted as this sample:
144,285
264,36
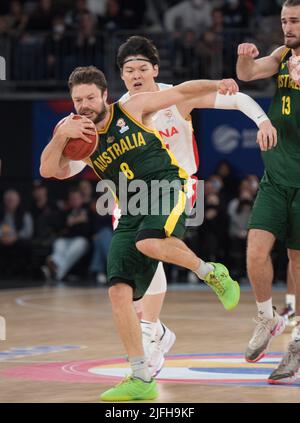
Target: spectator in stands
42,16
208,55
73,242
103,231
59,50
16,19
88,45
16,229
96,7
73,17
112,20
213,232
46,220
184,63
87,192
189,14
211,188
230,184
133,13
236,21
4,28
239,211
235,14
253,182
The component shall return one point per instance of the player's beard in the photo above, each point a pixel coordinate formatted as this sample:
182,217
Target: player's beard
101,115
294,43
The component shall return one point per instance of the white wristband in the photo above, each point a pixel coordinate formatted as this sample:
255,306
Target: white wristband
244,103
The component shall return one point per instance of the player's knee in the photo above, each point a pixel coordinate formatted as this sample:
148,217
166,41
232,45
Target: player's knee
120,294
256,256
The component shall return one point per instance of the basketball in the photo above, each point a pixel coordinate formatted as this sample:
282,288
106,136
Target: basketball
77,148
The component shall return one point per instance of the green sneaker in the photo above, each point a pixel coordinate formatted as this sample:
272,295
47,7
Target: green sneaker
131,389
226,288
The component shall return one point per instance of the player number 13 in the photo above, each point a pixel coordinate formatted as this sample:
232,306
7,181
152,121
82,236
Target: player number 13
286,105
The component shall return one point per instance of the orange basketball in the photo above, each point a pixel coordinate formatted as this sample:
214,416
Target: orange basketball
77,148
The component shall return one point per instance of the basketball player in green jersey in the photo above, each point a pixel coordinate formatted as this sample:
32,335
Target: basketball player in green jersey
138,60
276,213
127,147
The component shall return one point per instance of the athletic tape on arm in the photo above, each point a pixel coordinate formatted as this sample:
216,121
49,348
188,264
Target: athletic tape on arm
244,103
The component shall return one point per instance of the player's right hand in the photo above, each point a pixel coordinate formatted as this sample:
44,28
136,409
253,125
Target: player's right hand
77,128
266,136
248,50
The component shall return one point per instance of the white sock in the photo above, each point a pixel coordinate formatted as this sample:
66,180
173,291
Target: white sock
290,300
203,269
140,369
265,309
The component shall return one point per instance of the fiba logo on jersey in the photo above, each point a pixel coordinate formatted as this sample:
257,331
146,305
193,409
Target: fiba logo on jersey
2,69
2,329
225,139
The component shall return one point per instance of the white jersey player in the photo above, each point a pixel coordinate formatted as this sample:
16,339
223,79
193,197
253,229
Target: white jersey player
138,61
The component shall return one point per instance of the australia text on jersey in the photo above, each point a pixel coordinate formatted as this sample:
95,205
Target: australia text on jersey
136,197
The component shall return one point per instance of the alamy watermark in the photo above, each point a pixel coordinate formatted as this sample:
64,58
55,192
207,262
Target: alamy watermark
160,197
2,329
2,69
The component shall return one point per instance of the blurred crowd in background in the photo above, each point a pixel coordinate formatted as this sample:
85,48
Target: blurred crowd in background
60,237
63,239
200,36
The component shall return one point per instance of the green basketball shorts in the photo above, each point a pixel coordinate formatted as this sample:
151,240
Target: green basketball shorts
277,210
125,263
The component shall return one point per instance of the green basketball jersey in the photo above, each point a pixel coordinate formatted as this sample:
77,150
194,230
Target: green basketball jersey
127,146
282,163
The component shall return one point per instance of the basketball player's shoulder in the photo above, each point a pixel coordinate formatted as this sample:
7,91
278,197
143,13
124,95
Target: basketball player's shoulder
280,53
124,98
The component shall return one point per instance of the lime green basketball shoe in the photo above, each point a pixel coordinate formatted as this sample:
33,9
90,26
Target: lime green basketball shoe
226,288
131,389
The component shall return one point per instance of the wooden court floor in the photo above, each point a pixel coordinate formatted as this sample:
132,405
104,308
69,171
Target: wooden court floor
62,347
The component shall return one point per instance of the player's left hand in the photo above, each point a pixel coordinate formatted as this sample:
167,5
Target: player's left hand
266,136
228,86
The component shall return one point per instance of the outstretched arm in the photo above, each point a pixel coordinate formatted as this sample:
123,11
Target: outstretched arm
145,103
267,134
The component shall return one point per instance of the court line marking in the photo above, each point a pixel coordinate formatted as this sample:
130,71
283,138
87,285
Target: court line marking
23,301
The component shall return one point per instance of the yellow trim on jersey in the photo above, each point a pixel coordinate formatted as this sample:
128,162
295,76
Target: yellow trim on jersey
103,131
140,124
182,173
285,52
175,214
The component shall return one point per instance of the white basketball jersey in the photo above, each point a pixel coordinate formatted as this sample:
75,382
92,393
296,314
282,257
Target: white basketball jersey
177,133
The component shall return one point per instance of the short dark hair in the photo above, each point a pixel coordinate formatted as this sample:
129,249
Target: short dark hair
137,45
87,75
290,3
